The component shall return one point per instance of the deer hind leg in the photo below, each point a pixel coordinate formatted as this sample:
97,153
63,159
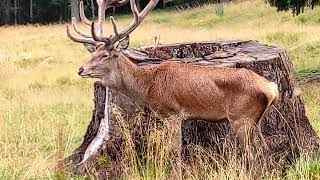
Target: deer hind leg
271,97
244,128
260,126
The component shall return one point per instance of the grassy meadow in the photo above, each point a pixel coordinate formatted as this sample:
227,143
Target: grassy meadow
45,106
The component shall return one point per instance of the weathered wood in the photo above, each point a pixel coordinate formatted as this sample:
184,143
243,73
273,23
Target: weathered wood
285,127
313,79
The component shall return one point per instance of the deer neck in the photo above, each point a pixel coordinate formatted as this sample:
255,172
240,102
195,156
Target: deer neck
135,81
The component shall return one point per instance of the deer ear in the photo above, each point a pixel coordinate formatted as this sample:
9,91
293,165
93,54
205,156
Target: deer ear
91,48
124,43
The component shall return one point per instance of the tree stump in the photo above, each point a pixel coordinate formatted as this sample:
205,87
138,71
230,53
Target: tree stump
285,127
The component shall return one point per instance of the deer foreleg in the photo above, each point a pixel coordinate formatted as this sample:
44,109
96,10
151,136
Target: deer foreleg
176,158
101,137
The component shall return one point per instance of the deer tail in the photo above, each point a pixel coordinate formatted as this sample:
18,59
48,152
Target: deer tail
272,95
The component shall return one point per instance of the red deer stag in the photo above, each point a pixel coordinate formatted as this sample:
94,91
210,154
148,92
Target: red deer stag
213,94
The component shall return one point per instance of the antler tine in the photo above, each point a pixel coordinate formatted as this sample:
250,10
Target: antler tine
114,25
101,15
83,17
78,39
116,3
75,27
148,8
98,34
135,11
138,18
96,37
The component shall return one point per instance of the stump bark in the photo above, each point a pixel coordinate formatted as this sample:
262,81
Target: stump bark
285,127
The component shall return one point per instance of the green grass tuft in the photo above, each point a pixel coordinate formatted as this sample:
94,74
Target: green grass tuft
285,39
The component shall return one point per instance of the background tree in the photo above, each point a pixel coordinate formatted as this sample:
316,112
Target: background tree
296,6
31,10
74,9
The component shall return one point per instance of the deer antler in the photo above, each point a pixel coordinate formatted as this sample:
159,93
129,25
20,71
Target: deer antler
86,38
112,3
101,14
103,5
97,32
80,39
138,18
83,17
75,27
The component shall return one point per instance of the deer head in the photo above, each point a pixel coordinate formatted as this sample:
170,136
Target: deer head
105,50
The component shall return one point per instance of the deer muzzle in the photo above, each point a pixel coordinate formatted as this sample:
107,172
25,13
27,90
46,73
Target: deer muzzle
84,73
80,71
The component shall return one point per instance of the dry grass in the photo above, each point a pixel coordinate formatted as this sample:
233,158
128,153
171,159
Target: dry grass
153,159
39,100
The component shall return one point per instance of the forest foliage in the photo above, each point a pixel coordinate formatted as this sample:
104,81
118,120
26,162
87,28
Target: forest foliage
59,11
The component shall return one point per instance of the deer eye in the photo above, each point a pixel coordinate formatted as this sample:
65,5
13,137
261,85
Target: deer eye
104,57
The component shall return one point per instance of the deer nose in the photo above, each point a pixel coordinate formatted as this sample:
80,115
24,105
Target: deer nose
80,70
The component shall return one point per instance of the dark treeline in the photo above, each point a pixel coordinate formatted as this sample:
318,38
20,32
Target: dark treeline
58,11
41,11
33,11
47,11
